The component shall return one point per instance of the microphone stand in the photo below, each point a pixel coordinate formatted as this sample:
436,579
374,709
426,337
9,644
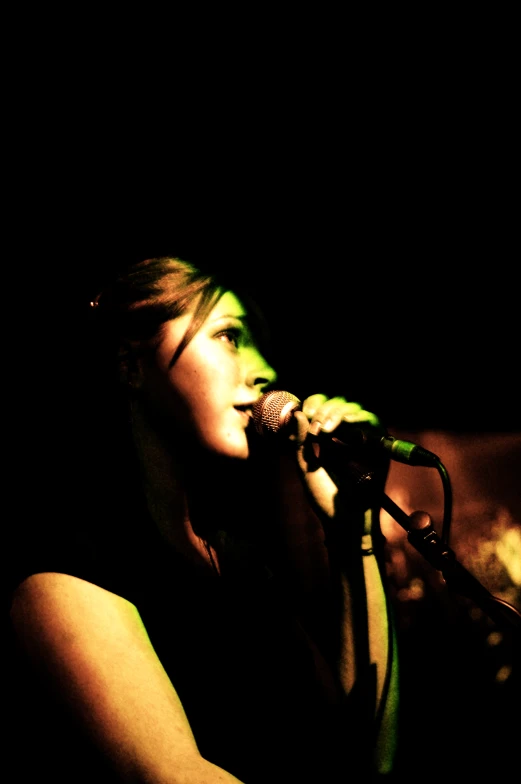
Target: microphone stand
423,537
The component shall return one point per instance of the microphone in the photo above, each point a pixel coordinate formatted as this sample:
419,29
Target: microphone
273,415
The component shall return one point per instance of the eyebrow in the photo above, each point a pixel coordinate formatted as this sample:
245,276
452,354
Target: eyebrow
238,317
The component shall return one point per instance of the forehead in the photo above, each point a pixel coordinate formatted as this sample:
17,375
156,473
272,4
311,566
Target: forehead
227,305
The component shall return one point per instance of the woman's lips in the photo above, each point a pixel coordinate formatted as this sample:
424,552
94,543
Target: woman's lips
246,414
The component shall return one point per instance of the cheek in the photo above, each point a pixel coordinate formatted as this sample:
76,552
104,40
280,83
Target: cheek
199,387
196,388
205,369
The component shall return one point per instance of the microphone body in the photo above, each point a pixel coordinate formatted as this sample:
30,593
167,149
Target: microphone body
273,415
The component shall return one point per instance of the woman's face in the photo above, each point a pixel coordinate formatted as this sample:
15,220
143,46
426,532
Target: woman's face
209,391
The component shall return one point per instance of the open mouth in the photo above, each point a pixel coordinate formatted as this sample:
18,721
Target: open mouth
246,412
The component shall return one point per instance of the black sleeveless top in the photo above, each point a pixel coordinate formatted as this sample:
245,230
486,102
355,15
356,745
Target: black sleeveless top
231,645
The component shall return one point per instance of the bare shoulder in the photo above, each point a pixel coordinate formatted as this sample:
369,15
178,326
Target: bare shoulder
76,631
50,602
93,649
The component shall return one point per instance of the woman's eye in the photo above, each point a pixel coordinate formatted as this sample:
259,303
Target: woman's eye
229,336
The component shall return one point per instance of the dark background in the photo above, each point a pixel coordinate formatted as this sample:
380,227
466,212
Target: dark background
388,267
408,305
365,182
369,196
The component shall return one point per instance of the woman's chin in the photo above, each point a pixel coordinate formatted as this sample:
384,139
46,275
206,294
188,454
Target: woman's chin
233,449
237,452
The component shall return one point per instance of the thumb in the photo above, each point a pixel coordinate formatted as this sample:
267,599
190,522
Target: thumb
307,450
300,428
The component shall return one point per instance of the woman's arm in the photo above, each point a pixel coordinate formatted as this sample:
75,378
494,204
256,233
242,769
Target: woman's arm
93,649
371,662
367,663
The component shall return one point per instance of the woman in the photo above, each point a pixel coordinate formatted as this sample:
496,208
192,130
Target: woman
205,605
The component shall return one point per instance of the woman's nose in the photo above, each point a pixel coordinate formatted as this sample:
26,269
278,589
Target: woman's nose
260,373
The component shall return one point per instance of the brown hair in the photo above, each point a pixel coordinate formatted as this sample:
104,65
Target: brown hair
131,310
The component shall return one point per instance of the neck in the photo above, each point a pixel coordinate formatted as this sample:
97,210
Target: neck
167,471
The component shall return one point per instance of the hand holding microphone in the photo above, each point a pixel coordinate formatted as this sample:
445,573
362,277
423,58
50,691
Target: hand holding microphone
325,469
338,445
358,432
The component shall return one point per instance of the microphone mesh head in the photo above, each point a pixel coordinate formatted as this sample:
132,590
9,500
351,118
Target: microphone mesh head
273,411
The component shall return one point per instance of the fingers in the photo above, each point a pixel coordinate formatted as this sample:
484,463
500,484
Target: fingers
325,414
328,488
312,403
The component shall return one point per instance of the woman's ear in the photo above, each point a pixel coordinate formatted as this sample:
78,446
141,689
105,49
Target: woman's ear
129,367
